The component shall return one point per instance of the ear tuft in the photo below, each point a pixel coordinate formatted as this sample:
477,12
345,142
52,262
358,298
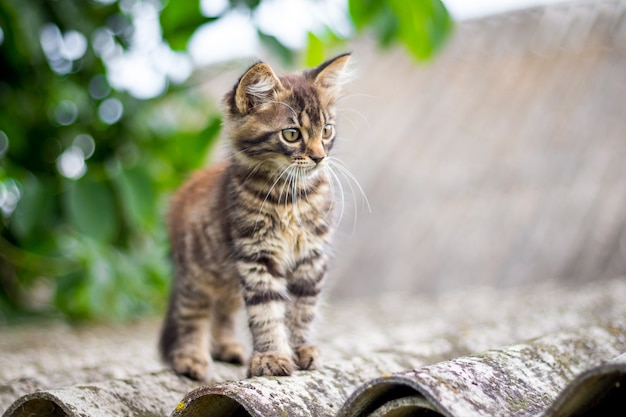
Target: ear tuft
256,86
332,73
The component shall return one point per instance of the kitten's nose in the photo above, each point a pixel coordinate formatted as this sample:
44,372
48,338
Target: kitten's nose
316,159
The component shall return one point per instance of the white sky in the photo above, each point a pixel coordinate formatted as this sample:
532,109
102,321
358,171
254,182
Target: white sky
208,45
467,9
146,70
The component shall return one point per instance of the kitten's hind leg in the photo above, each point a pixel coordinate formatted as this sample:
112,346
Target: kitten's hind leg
224,343
184,337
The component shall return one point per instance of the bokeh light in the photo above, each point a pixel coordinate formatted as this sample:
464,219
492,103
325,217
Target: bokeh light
86,144
71,163
10,194
62,50
110,111
66,113
99,87
4,143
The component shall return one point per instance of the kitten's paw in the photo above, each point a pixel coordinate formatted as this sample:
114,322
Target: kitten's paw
307,357
229,352
191,363
270,364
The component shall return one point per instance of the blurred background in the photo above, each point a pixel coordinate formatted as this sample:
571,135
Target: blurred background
490,149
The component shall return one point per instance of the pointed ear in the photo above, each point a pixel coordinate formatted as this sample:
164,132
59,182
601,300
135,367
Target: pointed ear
256,86
331,74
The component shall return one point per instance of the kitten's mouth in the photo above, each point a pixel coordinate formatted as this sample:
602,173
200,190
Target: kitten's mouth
307,166
315,168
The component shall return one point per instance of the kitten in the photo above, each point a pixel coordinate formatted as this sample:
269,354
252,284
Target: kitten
255,231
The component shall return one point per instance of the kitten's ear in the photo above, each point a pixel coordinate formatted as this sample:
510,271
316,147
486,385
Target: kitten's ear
331,74
255,87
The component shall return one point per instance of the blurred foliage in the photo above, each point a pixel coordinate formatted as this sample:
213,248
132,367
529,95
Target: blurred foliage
85,169
421,25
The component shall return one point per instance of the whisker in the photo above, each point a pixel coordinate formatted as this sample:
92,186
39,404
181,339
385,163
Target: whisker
333,201
286,105
333,191
285,185
357,112
268,194
299,183
336,178
338,163
292,187
232,154
356,95
303,178
293,182
353,197
253,171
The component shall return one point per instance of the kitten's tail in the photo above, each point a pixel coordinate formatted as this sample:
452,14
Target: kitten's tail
169,335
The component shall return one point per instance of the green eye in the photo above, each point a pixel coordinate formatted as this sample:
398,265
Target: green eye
327,132
291,135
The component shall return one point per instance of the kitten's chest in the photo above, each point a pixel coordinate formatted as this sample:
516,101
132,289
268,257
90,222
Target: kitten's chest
290,218
297,227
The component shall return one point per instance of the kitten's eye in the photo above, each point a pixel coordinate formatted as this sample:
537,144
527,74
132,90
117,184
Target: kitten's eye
327,132
291,135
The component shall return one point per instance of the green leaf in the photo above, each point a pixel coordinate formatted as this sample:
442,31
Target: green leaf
314,50
137,196
199,145
250,4
91,209
34,210
423,25
35,213
188,151
385,24
363,12
179,21
276,47
72,295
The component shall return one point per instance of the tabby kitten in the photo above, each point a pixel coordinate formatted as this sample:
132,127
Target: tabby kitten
255,231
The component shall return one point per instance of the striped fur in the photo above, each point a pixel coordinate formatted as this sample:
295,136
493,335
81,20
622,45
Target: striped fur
255,231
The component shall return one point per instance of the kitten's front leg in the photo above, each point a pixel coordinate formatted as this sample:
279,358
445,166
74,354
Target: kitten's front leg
304,289
265,296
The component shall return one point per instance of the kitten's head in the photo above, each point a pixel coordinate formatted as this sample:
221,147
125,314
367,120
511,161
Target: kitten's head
275,122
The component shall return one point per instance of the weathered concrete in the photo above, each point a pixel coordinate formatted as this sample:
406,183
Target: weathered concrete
437,337
520,380
600,391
